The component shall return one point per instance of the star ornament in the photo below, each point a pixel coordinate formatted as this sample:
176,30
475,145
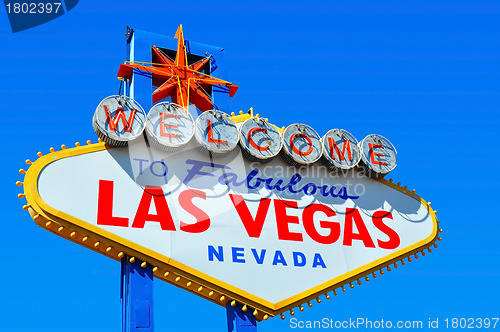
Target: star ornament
177,79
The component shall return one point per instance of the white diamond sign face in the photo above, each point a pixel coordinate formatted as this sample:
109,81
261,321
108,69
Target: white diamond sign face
270,236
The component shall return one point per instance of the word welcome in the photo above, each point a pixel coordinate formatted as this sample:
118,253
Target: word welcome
171,126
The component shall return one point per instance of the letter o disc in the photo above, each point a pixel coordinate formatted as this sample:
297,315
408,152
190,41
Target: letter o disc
301,145
259,140
119,120
216,131
335,143
169,126
378,155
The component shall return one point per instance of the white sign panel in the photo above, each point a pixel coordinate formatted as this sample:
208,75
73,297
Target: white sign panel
272,235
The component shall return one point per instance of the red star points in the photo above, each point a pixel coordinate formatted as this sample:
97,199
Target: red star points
184,83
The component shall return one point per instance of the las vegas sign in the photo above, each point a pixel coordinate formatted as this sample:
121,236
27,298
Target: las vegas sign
231,207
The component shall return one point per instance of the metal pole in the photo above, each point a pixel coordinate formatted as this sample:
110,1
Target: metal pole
136,297
136,281
239,320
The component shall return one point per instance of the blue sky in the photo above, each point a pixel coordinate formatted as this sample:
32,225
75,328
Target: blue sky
425,74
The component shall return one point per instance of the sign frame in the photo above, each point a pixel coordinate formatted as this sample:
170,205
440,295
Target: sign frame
183,276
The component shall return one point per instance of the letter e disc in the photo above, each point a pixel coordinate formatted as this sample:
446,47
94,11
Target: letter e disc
340,150
216,131
169,126
259,140
119,120
301,145
378,155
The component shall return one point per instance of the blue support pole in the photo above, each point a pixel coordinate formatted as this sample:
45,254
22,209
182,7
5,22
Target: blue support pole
137,282
136,297
239,320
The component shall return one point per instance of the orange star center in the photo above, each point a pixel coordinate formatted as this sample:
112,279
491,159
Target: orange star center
176,79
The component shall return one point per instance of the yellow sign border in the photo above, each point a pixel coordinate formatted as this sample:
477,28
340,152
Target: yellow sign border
183,276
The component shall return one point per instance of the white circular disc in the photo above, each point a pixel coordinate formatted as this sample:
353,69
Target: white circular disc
216,131
340,149
260,138
378,154
169,125
119,119
302,144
